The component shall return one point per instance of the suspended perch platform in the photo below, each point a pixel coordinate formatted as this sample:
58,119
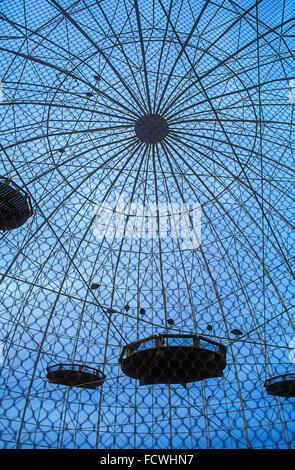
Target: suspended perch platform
15,205
75,375
173,359
281,385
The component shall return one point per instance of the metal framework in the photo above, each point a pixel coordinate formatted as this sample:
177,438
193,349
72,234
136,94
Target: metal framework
80,82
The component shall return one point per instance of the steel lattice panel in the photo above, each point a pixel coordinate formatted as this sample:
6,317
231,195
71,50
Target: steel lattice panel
76,77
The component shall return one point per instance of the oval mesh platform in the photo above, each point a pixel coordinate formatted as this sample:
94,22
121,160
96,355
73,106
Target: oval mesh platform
75,375
173,359
281,385
15,205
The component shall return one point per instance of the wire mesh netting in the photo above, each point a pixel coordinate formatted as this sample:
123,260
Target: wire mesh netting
123,121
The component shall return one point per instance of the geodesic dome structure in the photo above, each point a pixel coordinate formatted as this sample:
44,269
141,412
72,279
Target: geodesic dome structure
123,121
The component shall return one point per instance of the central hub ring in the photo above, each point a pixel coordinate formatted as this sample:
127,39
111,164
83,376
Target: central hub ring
151,128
